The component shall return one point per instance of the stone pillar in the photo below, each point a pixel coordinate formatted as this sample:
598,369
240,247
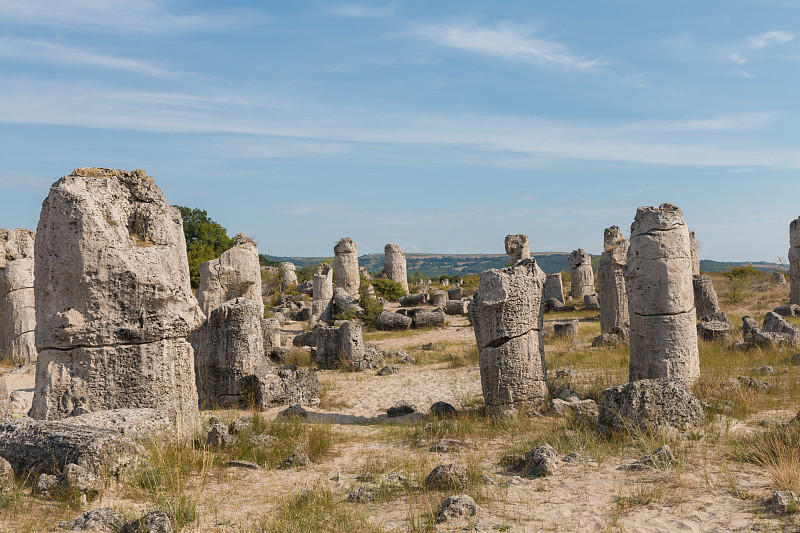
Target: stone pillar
17,313
228,348
345,265
322,297
439,299
611,281
554,288
507,316
288,276
778,278
113,301
235,274
695,257
517,248
394,265
794,261
581,274
705,297
660,297
364,273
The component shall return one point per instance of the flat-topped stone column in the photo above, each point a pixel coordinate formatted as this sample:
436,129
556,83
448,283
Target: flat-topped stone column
581,274
661,297
611,281
554,288
345,265
322,295
394,265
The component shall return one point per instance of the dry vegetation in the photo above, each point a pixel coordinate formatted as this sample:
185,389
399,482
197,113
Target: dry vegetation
723,472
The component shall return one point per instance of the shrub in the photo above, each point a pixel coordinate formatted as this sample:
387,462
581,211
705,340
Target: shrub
742,272
388,289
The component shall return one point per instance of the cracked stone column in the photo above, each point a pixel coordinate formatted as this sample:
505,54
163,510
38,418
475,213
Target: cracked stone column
114,305
517,248
345,266
581,274
322,296
661,297
507,316
288,276
234,274
611,281
554,287
17,313
794,261
394,265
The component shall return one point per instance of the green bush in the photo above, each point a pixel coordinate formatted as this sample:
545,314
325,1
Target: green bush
205,240
371,308
388,289
742,272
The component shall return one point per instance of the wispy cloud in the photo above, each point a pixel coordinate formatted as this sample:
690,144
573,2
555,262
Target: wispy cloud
113,16
360,11
756,44
505,40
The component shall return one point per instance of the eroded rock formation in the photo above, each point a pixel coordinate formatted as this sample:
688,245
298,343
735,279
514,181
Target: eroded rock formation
17,312
394,265
581,274
794,261
554,288
345,265
235,274
322,295
611,281
517,248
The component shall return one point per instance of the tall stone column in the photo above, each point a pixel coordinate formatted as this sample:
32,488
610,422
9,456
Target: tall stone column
17,313
611,281
288,276
114,305
581,274
695,257
322,295
394,265
234,274
507,316
517,248
794,260
345,264
660,296
554,288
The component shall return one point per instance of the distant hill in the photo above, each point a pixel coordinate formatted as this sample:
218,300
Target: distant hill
432,265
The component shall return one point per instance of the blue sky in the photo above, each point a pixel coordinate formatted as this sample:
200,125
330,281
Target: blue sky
440,126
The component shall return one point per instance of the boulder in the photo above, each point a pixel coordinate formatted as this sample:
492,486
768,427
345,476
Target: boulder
447,477
412,300
439,299
566,329
454,293
388,321
235,274
344,346
457,307
345,304
429,319
458,506
287,385
590,302
322,300
541,461
649,404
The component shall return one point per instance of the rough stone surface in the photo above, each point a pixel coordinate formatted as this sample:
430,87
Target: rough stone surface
507,316
541,461
517,248
133,423
649,403
443,410
271,333
228,347
322,299
779,278
344,345
439,299
394,265
429,319
611,281
6,476
411,300
695,257
286,385
39,446
389,321
457,307
103,519
235,274
447,477
288,276
566,329
705,297
661,297
794,261
591,302
113,301
458,506
152,522
17,311
788,310
581,274
454,293
345,265
712,329
344,303
554,288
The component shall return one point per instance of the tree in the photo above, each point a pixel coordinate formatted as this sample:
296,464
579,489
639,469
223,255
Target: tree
205,239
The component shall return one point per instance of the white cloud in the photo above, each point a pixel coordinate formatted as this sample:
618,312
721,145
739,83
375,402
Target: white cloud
113,16
736,57
364,11
770,38
507,41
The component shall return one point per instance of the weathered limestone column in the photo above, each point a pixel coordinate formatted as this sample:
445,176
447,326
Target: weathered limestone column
695,257
322,297
611,281
794,261
581,274
288,276
705,297
113,301
345,266
661,297
554,287
778,278
17,313
517,248
394,265
235,274
507,316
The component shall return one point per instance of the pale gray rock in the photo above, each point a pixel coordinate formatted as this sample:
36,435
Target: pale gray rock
6,476
457,307
344,303
779,278
447,477
541,461
591,302
554,288
103,519
288,276
517,248
695,257
389,321
3,389
344,346
648,404
458,506
439,299
611,281
235,274
322,299
271,333
286,385
411,300
581,274
658,280
228,347
775,323
113,301
17,311
133,423
788,310
364,273
705,297
345,265
714,328
566,329
507,316
429,319
754,336
219,436
152,522
454,293
394,265
794,261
